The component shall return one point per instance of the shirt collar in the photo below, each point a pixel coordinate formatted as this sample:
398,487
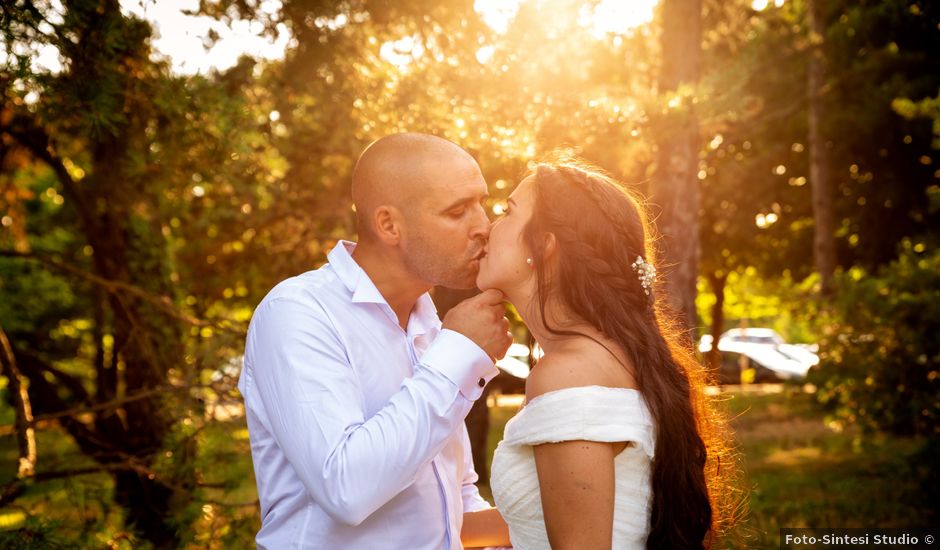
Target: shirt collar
424,315
353,277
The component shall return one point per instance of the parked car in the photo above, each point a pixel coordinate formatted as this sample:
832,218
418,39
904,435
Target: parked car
513,370
736,368
765,351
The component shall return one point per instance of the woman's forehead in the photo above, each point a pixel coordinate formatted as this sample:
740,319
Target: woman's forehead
523,191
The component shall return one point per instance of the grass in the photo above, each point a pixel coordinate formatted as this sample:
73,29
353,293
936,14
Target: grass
804,472
799,471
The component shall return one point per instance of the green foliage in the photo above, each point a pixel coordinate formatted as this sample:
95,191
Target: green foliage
36,534
755,159
788,306
880,358
927,108
75,511
78,512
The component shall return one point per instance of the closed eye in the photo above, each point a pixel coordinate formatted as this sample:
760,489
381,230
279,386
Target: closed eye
500,213
509,204
460,209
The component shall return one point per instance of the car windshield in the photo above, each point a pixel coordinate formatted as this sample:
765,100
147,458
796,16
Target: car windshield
769,340
791,353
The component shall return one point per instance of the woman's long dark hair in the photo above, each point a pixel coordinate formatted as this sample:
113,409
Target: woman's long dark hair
600,229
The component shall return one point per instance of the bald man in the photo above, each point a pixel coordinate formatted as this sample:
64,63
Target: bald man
355,392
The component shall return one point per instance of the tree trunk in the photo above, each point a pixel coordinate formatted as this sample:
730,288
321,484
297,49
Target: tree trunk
717,283
147,502
148,344
478,419
819,175
675,185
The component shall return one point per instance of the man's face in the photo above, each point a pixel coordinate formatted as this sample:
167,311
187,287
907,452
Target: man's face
446,228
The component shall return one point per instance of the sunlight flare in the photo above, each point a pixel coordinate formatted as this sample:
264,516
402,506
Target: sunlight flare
606,17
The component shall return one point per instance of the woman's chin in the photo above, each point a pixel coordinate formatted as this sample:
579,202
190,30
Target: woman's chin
483,282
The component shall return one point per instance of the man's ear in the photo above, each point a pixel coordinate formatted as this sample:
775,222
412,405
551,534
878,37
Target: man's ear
387,224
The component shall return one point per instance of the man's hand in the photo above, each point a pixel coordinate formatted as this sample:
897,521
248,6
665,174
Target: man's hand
483,320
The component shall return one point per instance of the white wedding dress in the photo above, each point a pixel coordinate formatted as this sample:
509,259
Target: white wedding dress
592,413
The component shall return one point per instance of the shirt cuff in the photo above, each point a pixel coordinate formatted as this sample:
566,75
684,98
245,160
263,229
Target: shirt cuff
475,503
460,360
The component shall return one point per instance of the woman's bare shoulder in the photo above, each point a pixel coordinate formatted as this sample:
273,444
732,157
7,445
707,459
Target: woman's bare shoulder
576,366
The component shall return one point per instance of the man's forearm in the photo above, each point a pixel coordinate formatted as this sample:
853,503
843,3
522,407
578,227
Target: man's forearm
484,528
378,458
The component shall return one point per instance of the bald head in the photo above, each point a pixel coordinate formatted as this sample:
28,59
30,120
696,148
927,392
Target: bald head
400,170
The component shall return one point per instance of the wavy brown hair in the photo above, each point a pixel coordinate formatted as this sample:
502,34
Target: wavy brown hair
600,228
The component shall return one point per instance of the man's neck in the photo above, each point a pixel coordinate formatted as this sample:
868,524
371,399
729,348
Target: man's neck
393,281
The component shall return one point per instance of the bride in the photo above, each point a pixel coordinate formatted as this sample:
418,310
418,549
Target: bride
610,450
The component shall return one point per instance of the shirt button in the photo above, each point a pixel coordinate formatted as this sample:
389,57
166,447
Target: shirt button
482,382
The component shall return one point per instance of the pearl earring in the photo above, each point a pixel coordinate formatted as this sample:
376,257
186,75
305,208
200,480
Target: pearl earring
528,261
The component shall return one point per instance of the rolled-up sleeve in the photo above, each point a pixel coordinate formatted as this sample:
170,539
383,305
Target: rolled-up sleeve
351,465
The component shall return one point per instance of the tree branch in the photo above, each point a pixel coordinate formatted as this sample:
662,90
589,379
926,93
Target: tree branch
68,380
114,287
46,398
30,135
25,434
15,488
112,404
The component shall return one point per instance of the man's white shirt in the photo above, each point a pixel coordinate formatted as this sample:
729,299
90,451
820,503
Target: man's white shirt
357,426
